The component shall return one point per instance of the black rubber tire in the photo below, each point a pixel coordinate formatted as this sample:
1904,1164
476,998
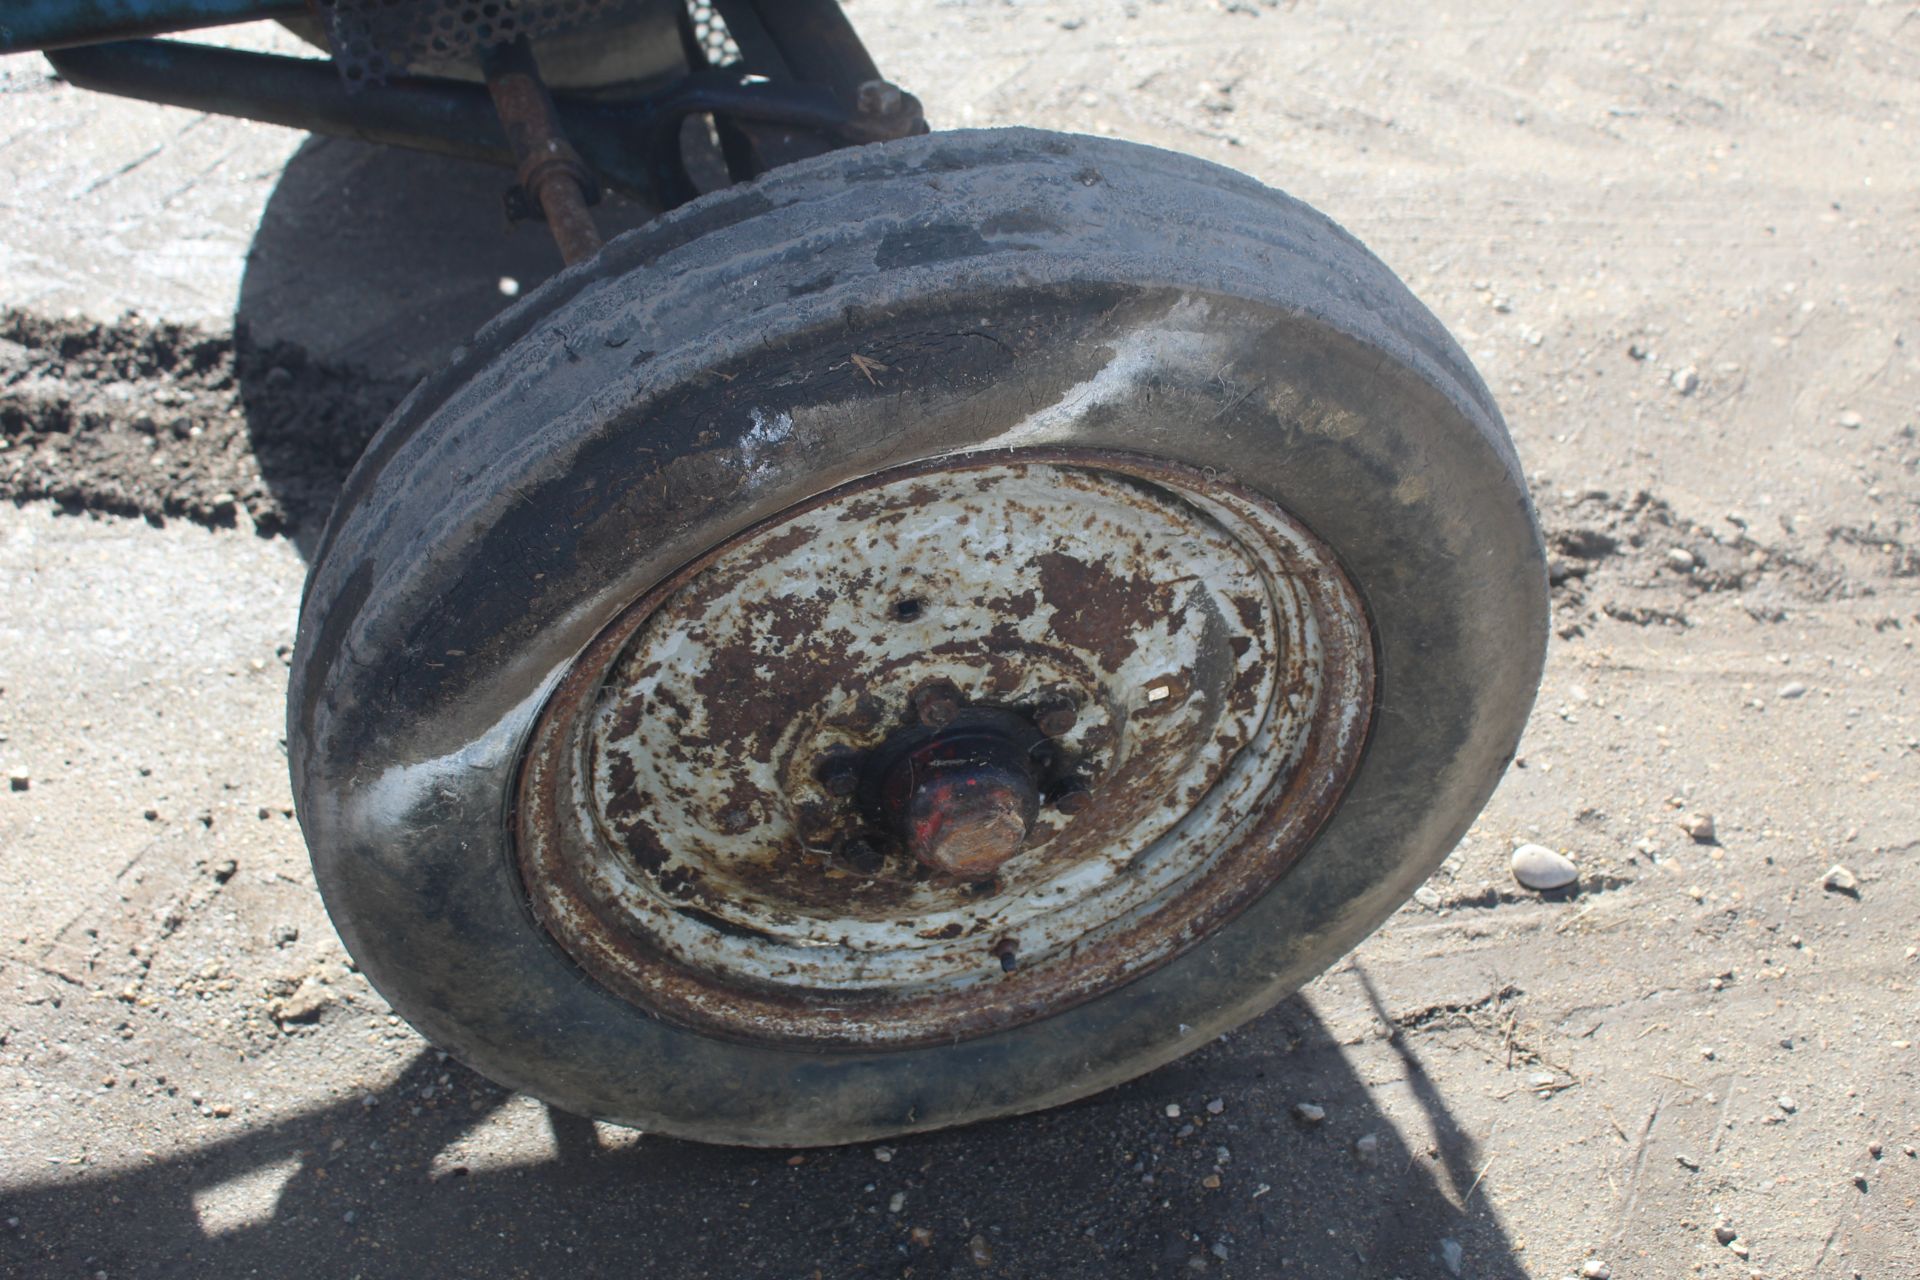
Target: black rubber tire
582,448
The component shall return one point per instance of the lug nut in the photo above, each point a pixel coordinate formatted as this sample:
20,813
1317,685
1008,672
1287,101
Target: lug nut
1007,951
1071,797
861,854
839,774
1056,721
936,705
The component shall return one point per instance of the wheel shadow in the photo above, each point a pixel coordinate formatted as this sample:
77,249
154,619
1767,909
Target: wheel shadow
405,1186
370,266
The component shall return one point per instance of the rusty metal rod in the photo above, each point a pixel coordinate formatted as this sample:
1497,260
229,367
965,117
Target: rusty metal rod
550,170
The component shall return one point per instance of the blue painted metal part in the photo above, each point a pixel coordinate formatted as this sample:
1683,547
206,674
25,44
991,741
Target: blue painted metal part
53,24
629,143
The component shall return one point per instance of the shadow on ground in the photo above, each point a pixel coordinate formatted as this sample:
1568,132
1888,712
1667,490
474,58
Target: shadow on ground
370,266
1109,1187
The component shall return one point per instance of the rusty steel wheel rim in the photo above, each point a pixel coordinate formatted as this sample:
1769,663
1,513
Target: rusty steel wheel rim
945,750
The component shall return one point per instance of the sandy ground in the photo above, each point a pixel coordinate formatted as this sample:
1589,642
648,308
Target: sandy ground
1679,241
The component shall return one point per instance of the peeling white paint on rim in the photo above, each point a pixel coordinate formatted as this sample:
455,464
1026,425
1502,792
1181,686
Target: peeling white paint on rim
1186,622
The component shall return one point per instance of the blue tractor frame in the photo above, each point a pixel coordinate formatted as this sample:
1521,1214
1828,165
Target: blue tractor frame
801,83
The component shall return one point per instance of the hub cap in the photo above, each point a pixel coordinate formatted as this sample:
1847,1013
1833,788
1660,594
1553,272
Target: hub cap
945,750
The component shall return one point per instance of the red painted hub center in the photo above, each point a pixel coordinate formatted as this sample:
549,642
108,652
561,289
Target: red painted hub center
963,798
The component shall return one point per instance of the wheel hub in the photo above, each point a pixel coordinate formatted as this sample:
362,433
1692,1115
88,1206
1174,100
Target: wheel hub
945,750
961,789
969,803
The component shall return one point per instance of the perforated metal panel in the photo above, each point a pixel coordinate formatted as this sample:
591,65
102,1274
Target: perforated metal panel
373,40
710,31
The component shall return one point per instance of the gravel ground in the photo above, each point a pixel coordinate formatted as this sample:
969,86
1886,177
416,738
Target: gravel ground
1679,244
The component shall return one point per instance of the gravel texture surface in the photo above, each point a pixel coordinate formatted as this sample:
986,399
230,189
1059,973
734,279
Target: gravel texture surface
1679,245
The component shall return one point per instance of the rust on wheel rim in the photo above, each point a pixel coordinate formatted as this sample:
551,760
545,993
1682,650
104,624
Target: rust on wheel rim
945,750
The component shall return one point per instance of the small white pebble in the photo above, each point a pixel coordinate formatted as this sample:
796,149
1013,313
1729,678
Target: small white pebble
1542,869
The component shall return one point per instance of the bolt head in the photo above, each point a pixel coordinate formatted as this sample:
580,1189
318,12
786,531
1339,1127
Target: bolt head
1072,796
936,705
1056,721
861,854
839,775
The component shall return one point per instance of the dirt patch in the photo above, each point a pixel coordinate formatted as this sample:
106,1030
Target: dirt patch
169,421
1632,558
172,421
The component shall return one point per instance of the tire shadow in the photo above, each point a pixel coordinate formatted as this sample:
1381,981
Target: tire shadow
370,266
1110,1187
